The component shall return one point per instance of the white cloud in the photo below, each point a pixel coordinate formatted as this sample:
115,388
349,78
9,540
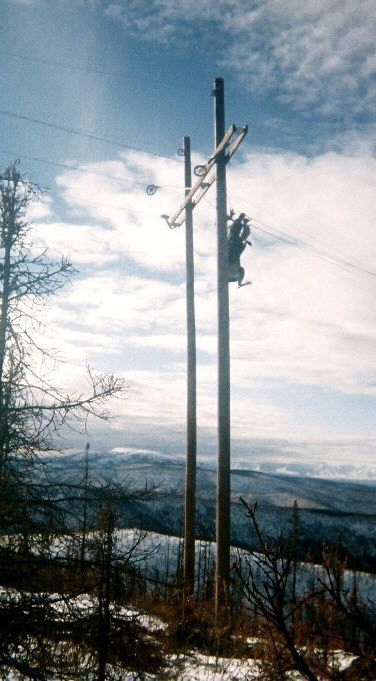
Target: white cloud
310,53
130,225
39,209
304,321
85,243
310,318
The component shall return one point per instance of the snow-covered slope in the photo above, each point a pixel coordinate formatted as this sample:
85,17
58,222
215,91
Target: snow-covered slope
328,509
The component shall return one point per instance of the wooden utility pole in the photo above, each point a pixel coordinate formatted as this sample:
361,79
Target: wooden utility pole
226,144
190,478
223,473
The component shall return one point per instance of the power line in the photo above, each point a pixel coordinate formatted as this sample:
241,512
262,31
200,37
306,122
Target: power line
278,234
271,231
64,195
312,237
94,202
292,240
82,170
74,131
66,166
318,252
88,201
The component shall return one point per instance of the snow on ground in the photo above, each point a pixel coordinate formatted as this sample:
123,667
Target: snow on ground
154,554
157,556
196,666
190,666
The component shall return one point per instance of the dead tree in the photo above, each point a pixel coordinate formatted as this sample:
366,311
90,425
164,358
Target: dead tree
266,580
32,409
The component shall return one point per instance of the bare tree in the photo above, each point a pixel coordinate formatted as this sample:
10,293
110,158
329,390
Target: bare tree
358,613
32,413
302,625
51,550
32,410
268,581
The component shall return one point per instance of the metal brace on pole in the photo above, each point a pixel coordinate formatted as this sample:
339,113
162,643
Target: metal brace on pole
228,145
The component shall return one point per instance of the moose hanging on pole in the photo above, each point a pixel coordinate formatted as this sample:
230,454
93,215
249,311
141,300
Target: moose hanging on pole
237,241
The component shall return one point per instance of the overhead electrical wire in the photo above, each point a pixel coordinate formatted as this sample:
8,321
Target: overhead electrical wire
271,231
67,166
100,204
300,243
278,234
267,229
81,133
288,227
93,202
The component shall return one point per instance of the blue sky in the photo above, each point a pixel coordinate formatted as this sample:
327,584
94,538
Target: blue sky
138,74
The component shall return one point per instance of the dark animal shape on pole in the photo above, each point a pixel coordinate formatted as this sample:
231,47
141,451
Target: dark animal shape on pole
237,242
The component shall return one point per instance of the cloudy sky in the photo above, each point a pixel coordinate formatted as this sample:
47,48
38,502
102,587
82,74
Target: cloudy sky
96,98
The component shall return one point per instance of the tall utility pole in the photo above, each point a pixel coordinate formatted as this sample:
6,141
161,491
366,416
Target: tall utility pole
190,477
223,473
226,145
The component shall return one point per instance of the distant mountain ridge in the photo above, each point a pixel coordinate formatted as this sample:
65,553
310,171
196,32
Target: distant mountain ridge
274,489
328,510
